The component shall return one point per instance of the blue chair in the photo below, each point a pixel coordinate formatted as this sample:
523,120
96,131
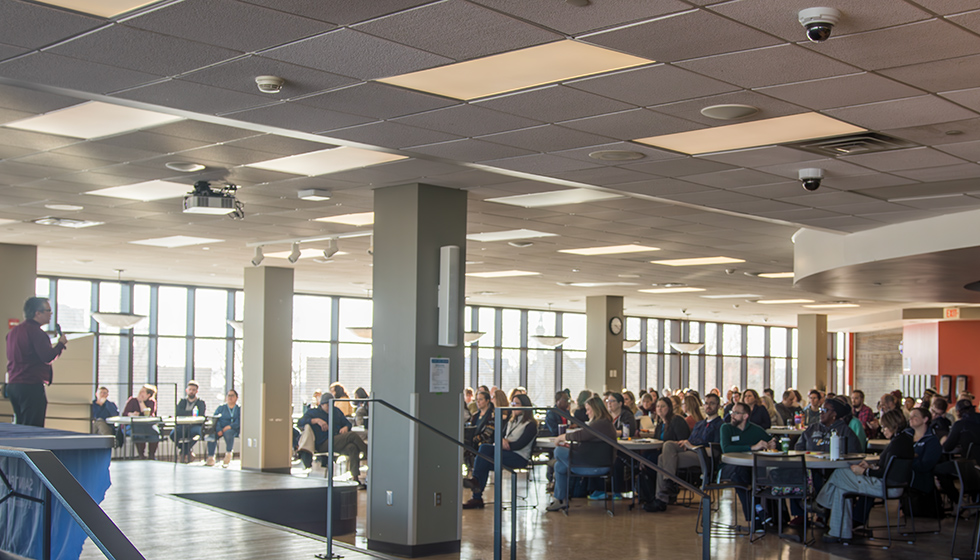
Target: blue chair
588,470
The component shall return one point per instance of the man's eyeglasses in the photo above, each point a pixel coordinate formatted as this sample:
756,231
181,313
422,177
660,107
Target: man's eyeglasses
824,410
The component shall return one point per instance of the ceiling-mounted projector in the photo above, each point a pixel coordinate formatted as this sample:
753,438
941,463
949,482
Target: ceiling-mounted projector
206,200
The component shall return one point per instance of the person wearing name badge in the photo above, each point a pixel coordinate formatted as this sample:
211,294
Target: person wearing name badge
186,436
740,435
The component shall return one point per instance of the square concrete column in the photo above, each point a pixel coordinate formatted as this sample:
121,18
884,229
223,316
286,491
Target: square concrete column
414,490
604,332
16,285
814,367
267,370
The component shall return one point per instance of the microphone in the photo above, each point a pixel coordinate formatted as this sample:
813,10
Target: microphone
57,329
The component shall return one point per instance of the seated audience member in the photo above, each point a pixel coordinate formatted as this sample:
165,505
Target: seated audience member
227,426
646,408
669,426
909,405
622,417
734,396
318,425
863,477
629,402
590,450
680,454
469,397
143,404
483,421
940,424
340,392
928,453
854,424
580,413
740,435
500,400
861,411
811,413
185,436
691,407
517,441
362,412
103,408
483,388
314,402
774,418
965,431
552,419
759,414
788,408
816,437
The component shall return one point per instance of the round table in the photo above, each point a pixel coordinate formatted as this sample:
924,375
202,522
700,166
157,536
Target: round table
878,444
814,460
636,444
785,431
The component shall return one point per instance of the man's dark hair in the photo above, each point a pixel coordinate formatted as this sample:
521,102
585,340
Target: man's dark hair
788,393
858,392
940,403
815,392
744,407
712,396
965,407
33,305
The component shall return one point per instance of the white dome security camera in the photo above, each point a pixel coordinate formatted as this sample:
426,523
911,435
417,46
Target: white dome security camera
811,178
269,84
819,22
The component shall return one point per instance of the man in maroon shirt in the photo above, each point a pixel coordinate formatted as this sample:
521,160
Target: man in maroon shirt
29,357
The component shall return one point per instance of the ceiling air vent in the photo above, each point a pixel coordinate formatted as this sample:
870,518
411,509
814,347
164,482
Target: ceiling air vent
853,144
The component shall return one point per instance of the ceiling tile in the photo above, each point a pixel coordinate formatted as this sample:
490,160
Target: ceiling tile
968,98
774,191
733,178
239,75
280,145
768,66
712,198
391,135
467,120
662,187
758,157
34,141
867,182
841,91
940,133
627,125
554,103
203,131
63,161
99,150
920,42
675,41
912,158
679,167
652,85
48,24
691,110
195,97
340,12
575,20
34,101
603,176
376,100
834,169
798,216
947,7
825,198
458,30
547,138
299,117
649,153
940,75
844,223
539,163
913,111
946,173
469,150
754,206
60,71
355,54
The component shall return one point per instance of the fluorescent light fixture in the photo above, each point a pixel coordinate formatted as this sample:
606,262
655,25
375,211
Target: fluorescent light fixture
781,301
508,235
66,222
672,290
732,296
831,305
775,275
611,250
175,241
326,161
5,221
627,344
101,8
551,341
315,195
502,274
305,253
145,192
765,132
595,284
64,207
94,119
359,219
698,261
554,198
515,70
687,347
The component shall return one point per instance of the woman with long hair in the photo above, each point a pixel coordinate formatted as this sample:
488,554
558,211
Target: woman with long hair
692,408
518,439
669,426
629,401
591,451
580,413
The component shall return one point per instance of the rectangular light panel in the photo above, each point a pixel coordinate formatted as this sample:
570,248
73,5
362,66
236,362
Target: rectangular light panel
611,250
176,241
358,219
509,235
732,296
515,70
765,132
832,305
554,198
93,120
595,284
502,274
326,161
698,261
782,301
101,8
146,191
672,290
776,275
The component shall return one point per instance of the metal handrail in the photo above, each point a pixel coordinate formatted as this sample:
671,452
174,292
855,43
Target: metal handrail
60,484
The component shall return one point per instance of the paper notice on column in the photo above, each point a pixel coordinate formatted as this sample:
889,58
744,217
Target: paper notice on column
438,375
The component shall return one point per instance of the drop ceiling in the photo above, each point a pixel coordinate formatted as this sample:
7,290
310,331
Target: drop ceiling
906,69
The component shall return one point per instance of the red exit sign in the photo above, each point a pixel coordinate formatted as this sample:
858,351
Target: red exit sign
11,323
951,313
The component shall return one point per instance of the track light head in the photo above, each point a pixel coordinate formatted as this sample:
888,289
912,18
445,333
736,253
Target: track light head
295,254
258,257
331,249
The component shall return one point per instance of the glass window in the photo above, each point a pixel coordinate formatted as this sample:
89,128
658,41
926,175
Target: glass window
141,362
711,338
540,323
485,373
209,371
172,311
756,375
541,377
632,381
511,323
694,331
74,305
42,287
487,319
710,374
573,326
732,372
239,305
757,340
311,371
655,376
573,371
111,373
666,378
510,374
777,342
110,301
732,341
311,318
141,306
171,360
653,336
467,319
211,316
354,313
354,367
633,329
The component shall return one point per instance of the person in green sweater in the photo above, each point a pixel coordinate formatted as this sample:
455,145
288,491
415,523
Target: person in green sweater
740,435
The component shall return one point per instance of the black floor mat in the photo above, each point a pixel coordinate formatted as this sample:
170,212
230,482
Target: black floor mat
304,509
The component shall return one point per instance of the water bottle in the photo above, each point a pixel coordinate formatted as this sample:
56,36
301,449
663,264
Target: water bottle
798,420
194,412
626,432
784,443
834,446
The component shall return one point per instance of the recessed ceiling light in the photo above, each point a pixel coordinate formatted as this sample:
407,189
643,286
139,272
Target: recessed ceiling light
508,235
698,261
315,195
672,290
595,284
358,219
502,274
611,250
831,305
175,241
94,119
778,130
101,8
146,191
64,207
617,155
307,253
554,198
326,161
185,166
781,301
732,296
66,222
515,70
729,112
775,275
628,275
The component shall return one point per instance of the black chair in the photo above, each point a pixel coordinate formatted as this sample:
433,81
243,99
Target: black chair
895,486
969,488
588,470
711,484
776,478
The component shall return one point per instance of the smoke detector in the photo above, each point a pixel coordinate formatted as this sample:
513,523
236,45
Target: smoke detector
269,84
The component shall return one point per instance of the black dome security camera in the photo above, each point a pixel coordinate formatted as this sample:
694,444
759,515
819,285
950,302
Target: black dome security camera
811,178
819,23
